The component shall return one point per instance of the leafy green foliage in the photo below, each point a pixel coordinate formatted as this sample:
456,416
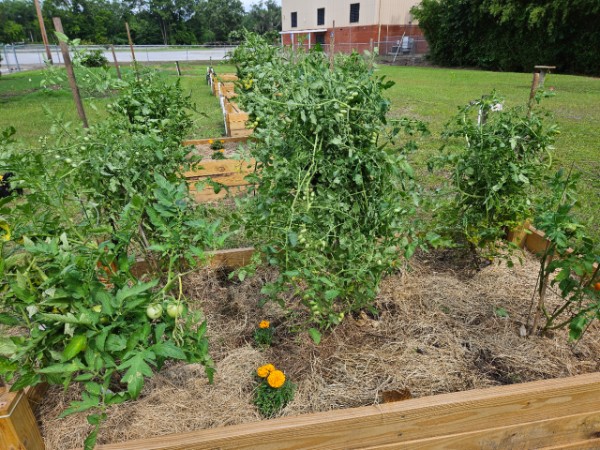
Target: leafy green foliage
335,195
496,171
270,401
572,256
512,35
90,207
93,58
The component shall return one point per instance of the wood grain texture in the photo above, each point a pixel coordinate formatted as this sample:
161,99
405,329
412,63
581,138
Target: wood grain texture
207,141
18,427
231,257
35,395
483,416
221,167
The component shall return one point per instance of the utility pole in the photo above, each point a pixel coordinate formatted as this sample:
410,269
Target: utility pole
38,9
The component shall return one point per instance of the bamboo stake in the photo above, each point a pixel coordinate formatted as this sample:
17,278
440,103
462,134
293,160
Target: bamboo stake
70,73
112,48
38,10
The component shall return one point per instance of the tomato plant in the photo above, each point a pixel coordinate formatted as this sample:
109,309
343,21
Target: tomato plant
572,257
496,157
89,208
335,196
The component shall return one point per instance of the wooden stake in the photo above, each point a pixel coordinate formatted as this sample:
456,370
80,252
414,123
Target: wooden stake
112,48
331,47
130,42
178,69
38,10
70,73
18,428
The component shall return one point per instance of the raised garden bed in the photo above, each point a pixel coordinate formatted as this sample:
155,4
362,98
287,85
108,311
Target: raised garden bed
440,330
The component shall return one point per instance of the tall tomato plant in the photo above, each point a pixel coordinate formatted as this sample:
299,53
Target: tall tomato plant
335,194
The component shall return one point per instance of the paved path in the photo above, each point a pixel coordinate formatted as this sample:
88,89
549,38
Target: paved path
35,57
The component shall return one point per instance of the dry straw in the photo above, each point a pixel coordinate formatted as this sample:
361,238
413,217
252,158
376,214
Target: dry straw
439,331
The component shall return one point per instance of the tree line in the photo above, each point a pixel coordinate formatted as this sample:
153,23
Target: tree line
150,21
513,35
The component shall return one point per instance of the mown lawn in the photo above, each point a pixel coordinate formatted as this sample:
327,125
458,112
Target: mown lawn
430,94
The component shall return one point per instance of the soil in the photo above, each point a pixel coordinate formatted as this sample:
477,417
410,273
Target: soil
441,327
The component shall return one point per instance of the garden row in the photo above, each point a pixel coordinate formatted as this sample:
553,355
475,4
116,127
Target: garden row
336,208
223,86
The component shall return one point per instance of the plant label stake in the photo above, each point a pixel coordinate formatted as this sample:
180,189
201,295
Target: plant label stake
64,47
539,75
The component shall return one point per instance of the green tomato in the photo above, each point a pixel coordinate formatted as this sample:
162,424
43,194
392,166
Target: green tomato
154,311
174,310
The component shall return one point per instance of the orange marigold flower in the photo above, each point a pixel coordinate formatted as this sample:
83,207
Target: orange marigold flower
264,324
264,371
276,379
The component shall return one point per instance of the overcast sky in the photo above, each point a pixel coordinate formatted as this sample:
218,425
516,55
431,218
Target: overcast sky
249,3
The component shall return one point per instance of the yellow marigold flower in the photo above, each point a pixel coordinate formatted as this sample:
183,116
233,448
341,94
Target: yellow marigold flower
210,141
264,324
222,141
276,379
264,371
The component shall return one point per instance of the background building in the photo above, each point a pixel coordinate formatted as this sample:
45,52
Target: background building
353,24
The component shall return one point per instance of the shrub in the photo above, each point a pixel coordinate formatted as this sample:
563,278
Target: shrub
93,58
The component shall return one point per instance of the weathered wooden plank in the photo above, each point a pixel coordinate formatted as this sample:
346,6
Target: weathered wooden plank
224,77
588,444
231,257
241,132
536,242
18,428
207,141
221,167
35,395
537,434
237,117
393,424
208,195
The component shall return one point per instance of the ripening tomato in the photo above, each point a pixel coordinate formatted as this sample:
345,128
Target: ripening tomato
174,310
154,311
597,286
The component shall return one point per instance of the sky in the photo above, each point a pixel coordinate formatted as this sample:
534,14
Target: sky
248,3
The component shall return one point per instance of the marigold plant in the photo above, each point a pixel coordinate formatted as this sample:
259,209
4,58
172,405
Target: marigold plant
264,371
276,379
263,335
274,390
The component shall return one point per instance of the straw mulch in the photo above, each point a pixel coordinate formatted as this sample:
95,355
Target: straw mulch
439,330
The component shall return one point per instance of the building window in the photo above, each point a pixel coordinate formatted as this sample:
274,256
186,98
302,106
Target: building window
294,19
354,12
321,16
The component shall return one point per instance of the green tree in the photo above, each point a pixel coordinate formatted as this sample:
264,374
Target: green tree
217,18
513,34
264,17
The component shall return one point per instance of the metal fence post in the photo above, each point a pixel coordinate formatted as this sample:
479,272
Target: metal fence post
16,59
6,57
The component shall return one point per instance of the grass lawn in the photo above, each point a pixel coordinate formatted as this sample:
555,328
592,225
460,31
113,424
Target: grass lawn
430,94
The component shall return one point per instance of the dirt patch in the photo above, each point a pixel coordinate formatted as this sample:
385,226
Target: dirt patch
437,331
